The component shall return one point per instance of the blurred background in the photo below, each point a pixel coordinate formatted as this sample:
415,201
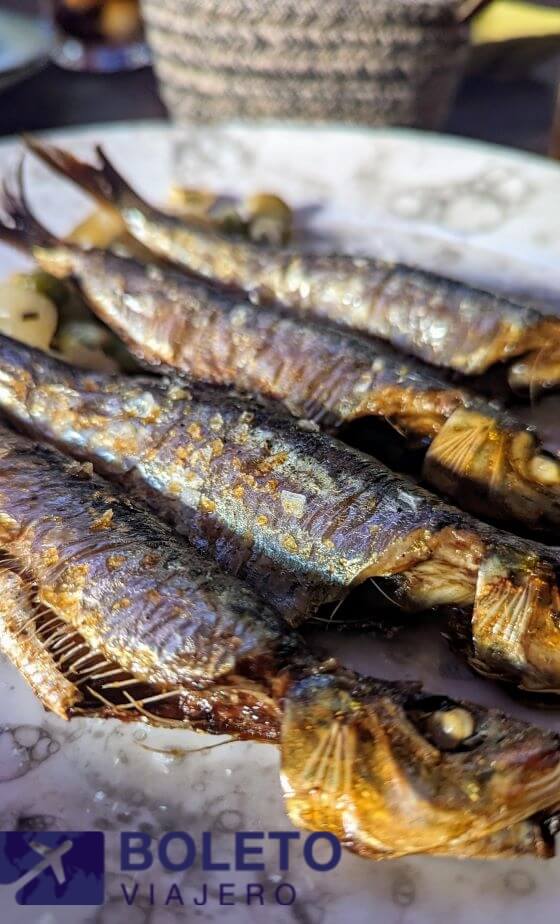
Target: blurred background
486,70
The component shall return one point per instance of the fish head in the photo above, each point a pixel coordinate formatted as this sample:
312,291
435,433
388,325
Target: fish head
391,771
492,463
515,626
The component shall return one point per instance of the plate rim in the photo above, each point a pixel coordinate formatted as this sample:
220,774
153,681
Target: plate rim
397,132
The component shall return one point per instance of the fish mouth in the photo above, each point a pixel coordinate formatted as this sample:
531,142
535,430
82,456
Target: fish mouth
495,467
369,764
538,369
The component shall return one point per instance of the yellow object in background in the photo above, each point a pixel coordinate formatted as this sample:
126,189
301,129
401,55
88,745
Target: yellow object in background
503,20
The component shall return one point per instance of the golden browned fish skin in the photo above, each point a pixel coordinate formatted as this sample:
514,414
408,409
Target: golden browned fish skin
138,626
439,320
298,515
477,453
123,580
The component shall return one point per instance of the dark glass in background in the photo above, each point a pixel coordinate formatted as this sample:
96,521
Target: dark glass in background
516,110
99,35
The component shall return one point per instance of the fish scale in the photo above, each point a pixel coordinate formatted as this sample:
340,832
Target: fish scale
300,516
439,320
347,742
218,659
475,452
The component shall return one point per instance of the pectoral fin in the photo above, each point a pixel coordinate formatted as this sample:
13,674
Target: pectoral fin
494,469
515,623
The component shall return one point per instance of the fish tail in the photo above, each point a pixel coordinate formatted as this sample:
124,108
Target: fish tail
103,182
122,192
19,227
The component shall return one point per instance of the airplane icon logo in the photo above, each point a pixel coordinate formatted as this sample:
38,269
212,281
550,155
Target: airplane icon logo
53,867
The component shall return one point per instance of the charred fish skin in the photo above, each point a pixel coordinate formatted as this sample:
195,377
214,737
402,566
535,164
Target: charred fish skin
123,579
208,653
293,512
197,456
321,374
438,320
298,515
476,451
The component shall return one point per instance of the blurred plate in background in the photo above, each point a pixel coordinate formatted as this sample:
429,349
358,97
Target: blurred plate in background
25,45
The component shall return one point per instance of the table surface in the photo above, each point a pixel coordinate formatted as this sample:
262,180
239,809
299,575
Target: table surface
517,113
513,112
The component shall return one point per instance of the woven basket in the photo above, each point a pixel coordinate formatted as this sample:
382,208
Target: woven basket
379,62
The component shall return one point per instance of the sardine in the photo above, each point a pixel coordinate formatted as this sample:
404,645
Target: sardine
107,613
300,516
477,453
439,320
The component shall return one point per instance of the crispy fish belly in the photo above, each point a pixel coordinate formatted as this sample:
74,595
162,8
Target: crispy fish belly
436,319
107,614
300,516
106,569
477,453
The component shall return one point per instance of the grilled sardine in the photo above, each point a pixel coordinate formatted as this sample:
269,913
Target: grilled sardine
436,319
297,514
107,613
477,453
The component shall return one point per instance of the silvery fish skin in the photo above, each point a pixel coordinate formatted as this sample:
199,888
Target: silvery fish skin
300,516
477,453
107,613
441,321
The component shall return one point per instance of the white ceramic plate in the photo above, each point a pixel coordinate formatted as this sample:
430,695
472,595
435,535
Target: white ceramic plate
468,210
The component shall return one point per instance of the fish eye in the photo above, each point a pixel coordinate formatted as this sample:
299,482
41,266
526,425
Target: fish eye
450,728
448,725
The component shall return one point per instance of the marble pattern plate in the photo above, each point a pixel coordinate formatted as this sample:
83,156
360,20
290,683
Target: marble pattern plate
472,211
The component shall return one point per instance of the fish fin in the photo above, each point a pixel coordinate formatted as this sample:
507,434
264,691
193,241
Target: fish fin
515,631
104,183
65,673
18,225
